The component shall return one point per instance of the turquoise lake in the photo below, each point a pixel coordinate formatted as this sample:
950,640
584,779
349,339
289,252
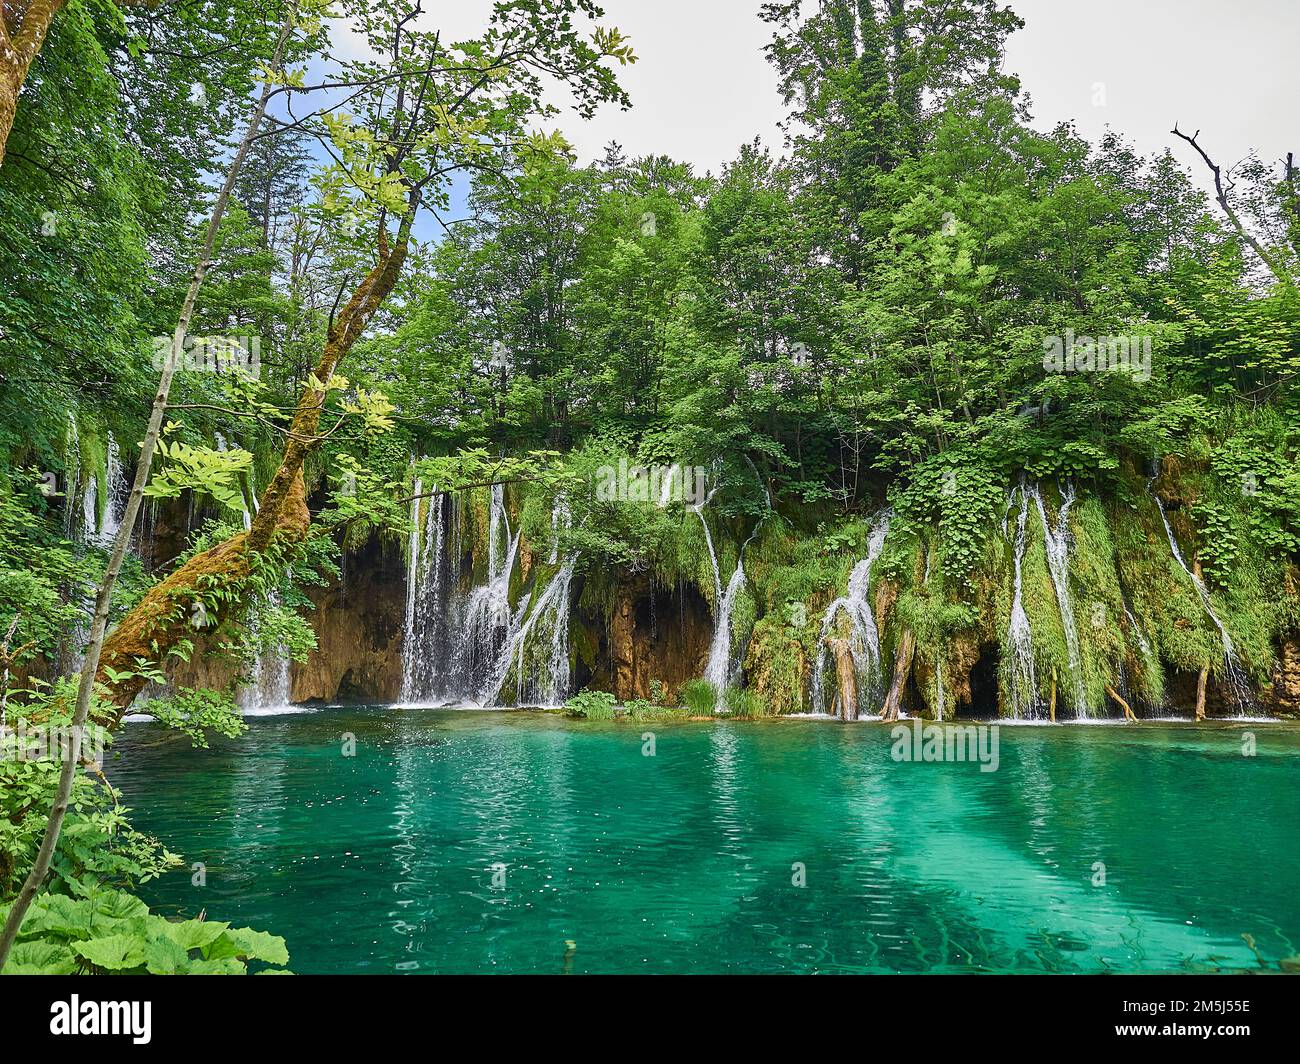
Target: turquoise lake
688,861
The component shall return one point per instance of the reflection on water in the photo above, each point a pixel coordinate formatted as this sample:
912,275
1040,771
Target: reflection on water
391,860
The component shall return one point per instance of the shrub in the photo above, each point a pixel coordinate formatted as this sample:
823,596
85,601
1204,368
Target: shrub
699,696
592,705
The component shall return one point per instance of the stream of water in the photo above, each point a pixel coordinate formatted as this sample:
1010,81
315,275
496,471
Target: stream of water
864,638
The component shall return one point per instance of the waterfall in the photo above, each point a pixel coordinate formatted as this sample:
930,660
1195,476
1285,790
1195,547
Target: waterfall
542,678
270,686
1057,541
99,522
669,483
71,474
461,647
487,623
721,666
719,669
116,491
1021,682
940,710
713,557
1236,674
864,640
1143,642
424,646
90,510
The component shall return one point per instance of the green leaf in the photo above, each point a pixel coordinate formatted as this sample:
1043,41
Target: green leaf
193,934
40,958
114,953
251,945
57,914
162,956
219,966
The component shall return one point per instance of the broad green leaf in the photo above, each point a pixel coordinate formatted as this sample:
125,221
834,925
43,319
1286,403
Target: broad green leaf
250,944
115,952
40,958
162,956
193,934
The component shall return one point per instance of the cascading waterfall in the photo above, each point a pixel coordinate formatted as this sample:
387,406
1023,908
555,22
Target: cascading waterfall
487,624
116,491
461,647
99,522
425,646
1057,541
270,686
1143,643
1234,670
713,558
1022,683
720,667
90,510
864,639
940,709
670,482
71,474
538,650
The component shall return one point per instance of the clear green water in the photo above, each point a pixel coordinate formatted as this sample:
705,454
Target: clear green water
682,862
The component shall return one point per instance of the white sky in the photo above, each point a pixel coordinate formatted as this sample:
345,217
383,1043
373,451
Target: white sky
702,85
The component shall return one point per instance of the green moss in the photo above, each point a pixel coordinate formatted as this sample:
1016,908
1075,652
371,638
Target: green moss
777,665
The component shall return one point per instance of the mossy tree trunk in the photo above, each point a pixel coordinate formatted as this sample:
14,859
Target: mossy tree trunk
23,29
22,32
162,619
847,674
902,670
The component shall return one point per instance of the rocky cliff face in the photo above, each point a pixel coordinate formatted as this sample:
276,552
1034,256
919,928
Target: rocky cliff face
654,634
358,623
1283,699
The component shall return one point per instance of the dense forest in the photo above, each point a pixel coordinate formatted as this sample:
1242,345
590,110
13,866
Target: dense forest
933,413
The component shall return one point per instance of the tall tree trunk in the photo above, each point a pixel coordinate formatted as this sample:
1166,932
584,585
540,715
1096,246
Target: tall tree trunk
847,674
1202,682
90,667
902,669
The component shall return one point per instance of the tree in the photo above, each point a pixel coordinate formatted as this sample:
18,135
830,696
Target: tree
423,111
91,665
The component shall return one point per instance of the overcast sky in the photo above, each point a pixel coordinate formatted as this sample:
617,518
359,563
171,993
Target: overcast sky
702,85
